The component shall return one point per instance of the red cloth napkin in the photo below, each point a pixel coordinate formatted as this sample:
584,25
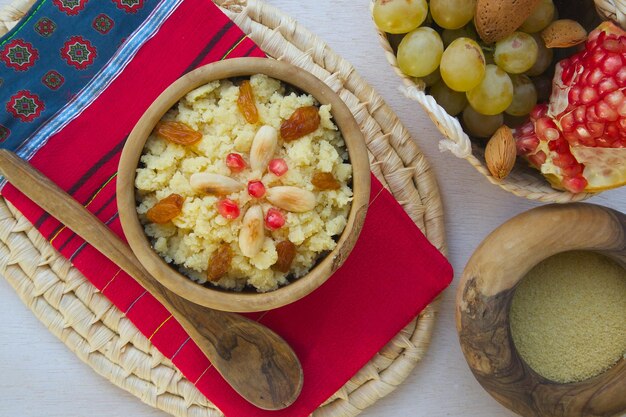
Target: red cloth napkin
391,275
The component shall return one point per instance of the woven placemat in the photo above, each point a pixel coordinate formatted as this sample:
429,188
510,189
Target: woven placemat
99,334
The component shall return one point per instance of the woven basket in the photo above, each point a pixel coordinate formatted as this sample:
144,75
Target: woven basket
101,336
523,181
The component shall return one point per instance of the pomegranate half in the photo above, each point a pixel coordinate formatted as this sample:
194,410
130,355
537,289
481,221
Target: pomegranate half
578,140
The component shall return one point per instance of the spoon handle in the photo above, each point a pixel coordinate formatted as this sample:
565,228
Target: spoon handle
254,360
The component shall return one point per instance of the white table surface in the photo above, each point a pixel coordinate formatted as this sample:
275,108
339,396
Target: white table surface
40,376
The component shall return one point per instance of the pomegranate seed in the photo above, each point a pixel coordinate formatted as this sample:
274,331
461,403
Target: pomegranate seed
540,110
611,64
591,115
228,209
607,85
527,145
615,99
274,219
597,57
564,160
574,95
576,184
567,122
580,114
573,170
611,131
596,129
538,159
605,111
583,133
235,162
571,137
589,95
256,189
620,77
567,74
526,129
278,167
595,77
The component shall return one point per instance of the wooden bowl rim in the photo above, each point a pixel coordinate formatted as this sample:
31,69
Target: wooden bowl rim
219,298
484,297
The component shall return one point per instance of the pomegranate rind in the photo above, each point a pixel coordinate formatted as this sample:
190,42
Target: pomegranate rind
605,168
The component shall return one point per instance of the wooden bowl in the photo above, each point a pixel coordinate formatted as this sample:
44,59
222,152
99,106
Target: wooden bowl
484,298
245,301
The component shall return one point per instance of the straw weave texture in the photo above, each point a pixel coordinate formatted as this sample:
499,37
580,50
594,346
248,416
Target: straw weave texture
99,334
522,181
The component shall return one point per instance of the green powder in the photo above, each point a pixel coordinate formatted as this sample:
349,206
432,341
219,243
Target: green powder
568,316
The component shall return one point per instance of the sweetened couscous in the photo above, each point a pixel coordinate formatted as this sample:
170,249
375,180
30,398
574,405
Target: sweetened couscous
210,228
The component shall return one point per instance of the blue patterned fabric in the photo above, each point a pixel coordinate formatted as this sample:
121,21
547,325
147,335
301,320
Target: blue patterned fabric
49,58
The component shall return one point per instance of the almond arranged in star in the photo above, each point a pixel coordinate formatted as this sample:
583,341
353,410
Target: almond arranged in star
252,233
292,199
214,183
263,147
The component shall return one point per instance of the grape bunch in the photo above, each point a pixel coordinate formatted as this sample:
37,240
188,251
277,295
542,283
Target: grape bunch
487,84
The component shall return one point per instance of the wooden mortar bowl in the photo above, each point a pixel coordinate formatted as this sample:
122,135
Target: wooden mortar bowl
214,297
484,299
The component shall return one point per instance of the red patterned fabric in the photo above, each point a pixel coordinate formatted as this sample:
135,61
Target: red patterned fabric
392,274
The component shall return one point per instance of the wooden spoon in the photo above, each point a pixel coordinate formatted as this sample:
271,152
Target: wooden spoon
255,361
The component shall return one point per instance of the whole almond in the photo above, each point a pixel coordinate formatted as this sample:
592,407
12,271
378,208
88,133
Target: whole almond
290,198
263,147
214,183
496,19
563,33
500,152
252,233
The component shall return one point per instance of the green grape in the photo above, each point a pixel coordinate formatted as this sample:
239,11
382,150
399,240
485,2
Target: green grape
452,14
449,35
452,101
462,64
480,125
493,94
540,18
419,52
544,57
399,16
524,96
516,53
432,78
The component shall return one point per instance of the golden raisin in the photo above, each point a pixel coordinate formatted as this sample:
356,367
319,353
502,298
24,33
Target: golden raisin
325,181
246,104
303,121
219,262
286,253
166,209
177,132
